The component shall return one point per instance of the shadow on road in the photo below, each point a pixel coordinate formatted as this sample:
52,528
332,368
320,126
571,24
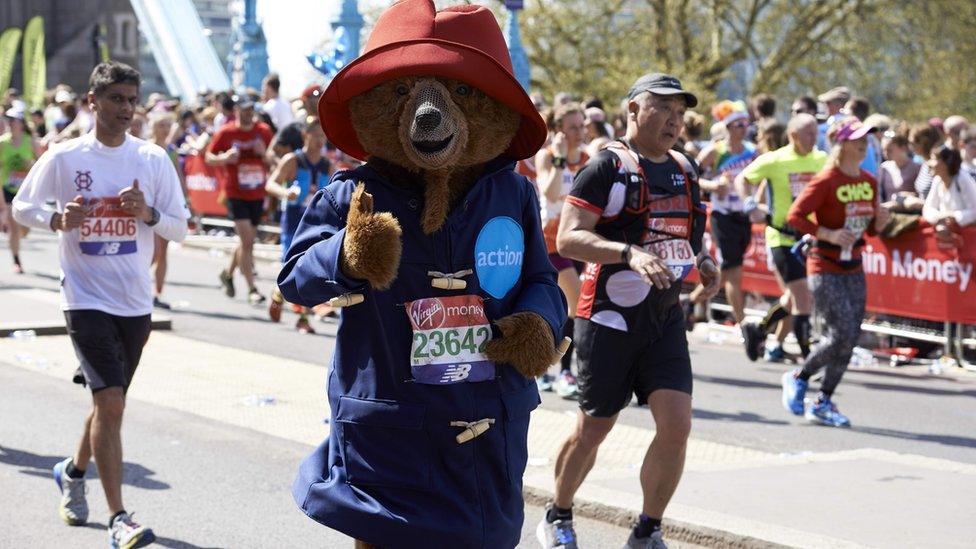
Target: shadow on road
177,544
948,440
37,465
745,417
746,383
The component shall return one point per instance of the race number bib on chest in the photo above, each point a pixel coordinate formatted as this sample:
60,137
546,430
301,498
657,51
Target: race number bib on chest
678,255
449,339
798,181
107,230
250,175
14,179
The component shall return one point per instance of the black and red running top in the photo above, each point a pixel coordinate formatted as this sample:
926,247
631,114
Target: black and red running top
656,206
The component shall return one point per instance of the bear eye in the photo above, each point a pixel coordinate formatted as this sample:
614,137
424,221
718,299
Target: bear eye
402,89
463,89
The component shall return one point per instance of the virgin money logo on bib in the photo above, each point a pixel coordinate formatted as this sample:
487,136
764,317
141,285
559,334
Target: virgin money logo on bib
498,255
427,314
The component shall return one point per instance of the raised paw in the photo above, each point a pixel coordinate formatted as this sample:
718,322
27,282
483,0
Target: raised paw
526,344
371,249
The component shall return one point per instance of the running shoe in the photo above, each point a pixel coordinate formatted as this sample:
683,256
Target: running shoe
160,304
255,298
754,339
544,383
274,308
825,412
775,354
73,507
125,533
653,541
18,269
303,326
794,389
556,535
566,385
227,280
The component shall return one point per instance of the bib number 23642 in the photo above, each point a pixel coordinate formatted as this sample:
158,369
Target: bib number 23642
449,339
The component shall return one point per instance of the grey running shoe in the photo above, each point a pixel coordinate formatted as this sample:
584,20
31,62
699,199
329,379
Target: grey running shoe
73,507
556,535
654,541
227,281
125,533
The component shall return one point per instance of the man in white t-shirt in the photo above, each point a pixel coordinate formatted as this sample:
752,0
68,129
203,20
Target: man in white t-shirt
112,192
277,108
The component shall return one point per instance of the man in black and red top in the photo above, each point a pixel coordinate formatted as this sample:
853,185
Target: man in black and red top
634,215
238,148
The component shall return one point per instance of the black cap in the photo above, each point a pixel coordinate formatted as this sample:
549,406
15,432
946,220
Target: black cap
661,84
243,101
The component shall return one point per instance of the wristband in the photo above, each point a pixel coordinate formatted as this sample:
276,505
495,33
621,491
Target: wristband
625,253
749,205
559,162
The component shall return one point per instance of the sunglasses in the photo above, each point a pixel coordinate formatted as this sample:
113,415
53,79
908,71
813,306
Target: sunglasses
739,125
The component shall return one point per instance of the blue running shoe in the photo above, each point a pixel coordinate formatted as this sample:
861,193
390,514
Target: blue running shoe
544,383
775,354
825,412
73,508
794,389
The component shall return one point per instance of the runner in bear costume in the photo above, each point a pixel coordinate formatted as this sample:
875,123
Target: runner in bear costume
452,307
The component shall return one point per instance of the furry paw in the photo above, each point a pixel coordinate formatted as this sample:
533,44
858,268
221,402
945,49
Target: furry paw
526,344
371,249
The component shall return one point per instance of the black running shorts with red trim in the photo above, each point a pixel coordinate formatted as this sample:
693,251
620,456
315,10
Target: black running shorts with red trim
615,365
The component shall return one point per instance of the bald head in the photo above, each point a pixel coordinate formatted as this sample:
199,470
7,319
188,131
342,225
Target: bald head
802,132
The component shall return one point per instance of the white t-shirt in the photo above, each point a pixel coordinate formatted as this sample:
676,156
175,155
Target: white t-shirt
280,112
105,262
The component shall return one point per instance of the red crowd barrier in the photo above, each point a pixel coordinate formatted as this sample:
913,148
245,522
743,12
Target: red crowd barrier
201,183
907,276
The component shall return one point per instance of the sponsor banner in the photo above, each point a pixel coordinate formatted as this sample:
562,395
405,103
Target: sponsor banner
9,41
35,63
908,276
201,183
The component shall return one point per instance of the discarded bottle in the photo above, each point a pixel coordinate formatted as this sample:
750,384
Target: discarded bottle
862,358
260,400
24,335
939,366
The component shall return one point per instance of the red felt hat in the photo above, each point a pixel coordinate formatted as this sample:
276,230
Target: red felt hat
411,38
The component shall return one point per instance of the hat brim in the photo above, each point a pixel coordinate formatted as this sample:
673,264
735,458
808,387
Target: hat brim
690,98
861,132
427,57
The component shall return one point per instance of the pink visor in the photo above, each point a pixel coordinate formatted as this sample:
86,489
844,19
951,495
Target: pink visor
852,130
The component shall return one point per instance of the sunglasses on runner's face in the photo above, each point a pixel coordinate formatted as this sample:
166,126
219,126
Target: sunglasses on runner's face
739,125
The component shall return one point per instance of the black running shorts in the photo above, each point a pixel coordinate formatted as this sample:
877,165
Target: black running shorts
108,346
615,365
245,209
733,233
787,265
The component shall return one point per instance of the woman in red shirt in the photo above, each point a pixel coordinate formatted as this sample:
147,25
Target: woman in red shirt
843,199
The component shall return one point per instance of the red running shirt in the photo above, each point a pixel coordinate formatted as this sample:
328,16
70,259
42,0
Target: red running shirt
244,180
836,200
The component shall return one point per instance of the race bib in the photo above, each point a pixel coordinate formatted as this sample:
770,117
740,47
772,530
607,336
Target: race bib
677,253
798,181
14,179
449,339
250,176
107,230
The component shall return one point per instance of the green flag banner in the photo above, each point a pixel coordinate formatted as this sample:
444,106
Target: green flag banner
35,64
9,41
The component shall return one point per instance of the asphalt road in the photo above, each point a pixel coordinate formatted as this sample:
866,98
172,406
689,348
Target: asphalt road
736,402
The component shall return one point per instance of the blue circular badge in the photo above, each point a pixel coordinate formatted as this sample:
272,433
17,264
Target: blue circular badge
498,255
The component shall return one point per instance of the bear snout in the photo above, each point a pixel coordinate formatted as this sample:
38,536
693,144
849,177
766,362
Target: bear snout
428,119
433,126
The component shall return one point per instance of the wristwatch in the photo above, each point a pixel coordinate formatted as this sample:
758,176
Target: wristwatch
559,161
702,258
154,217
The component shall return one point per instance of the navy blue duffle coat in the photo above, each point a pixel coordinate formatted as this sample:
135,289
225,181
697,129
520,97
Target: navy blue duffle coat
391,472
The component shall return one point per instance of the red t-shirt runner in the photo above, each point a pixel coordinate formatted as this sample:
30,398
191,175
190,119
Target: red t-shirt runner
244,180
838,201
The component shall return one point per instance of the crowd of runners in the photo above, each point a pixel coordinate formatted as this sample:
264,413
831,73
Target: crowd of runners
631,194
